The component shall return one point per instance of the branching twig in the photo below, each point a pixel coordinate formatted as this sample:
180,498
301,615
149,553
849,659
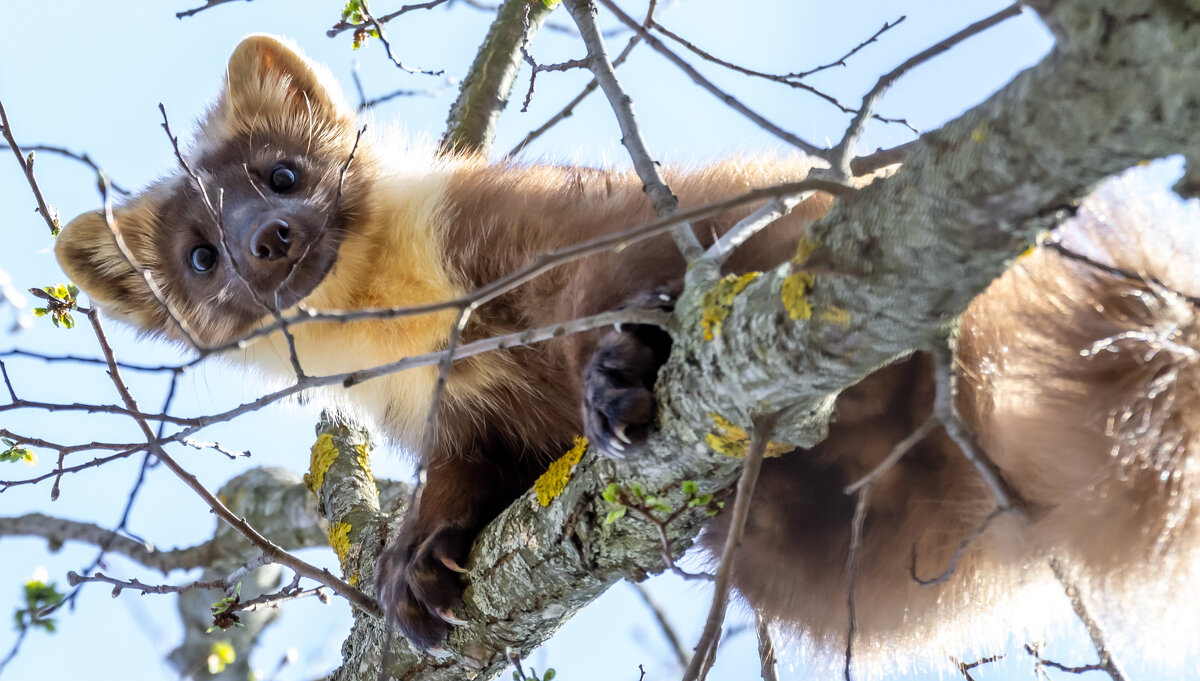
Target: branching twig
840,158
387,46
703,82
269,549
664,201
958,552
350,26
1108,664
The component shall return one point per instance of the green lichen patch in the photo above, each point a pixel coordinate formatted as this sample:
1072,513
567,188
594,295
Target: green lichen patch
718,302
555,479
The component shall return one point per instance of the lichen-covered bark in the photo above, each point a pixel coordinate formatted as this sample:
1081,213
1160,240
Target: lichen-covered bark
891,270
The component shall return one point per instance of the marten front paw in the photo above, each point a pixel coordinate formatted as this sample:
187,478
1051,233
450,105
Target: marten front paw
618,388
418,582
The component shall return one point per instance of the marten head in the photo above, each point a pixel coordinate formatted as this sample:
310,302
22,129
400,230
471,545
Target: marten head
253,228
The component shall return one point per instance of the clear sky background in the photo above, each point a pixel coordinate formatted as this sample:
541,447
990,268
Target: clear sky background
89,76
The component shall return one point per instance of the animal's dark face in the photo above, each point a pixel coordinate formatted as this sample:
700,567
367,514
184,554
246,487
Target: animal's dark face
253,229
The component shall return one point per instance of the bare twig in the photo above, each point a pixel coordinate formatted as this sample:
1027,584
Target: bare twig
588,89
1108,664
706,648
703,82
664,201
273,552
351,26
81,157
752,224
958,552
793,80
664,625
965,668
387,46
766,649
947,412
207,4
902,447
856,530
48,215
840,158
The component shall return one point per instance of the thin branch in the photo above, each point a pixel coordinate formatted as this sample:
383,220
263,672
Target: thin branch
269,549
752,224
898,451
588,89
766,649
703,82
387,46
790,79
706,648
856,531
341,26
958,552
1108,664
207,4
947,412
664,625
48,215
664,201
965,668
840,158
81,157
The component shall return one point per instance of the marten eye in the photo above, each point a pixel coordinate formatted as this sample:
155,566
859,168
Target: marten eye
283,178
203,258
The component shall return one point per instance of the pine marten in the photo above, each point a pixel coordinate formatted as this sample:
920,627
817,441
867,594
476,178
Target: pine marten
1078,380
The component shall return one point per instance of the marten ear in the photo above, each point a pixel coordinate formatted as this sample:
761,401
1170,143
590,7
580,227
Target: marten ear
88,253
269,76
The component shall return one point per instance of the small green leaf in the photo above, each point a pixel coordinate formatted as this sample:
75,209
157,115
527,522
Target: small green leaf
690,487
549,675
614,515
39,311
611,493
637,491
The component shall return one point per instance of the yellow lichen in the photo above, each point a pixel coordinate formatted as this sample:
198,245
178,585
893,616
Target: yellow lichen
804,249
719,301
836,315
339,539
794,294
324,452
980,133
363,458
555,479
731,440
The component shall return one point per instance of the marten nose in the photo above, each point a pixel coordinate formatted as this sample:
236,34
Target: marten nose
271,240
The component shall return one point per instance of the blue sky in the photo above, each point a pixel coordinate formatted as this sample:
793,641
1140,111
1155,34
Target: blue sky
89,76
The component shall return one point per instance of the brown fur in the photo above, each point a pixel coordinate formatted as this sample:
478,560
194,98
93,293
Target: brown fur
1104,463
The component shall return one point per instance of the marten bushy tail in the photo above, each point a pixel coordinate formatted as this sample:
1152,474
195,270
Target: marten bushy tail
1079,374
